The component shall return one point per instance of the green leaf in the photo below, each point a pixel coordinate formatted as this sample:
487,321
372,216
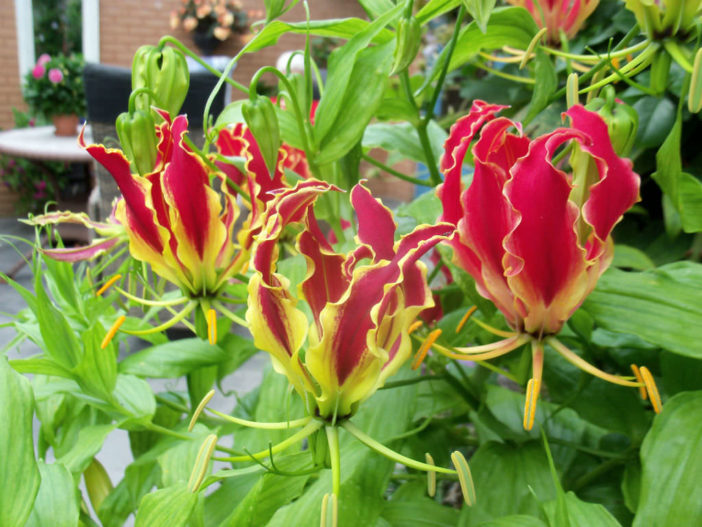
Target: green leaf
173,359
169,507
631,258
97,369
506,479
40,366
518,520
680,374
580,513
18,469
57,501
671,465
135,397
660,306
545,86
89,443
480,10
139,479
60,341
271,492
346,28
375,8
422,512
656,118
178,461
403,138
363,94
435,8
231,114
683,189
508,26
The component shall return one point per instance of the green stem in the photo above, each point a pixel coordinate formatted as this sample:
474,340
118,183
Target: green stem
394,172
283,425
334,454
508,76
678,55
155,303
231,316
132,97
594,59
409,382
180,316
153,427
595,473
311,427
639,62
391,454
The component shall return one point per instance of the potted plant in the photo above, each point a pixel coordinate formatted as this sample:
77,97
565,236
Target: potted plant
210,21
54,89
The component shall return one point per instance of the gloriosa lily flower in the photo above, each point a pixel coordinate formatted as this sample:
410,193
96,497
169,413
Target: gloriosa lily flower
176,221
362,303
534,238
558,15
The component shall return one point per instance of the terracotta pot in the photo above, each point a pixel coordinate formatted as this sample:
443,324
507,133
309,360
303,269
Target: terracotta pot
65,124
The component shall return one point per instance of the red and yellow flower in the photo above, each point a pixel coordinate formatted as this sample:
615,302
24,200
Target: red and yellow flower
362,303
567,16
534,238
175,219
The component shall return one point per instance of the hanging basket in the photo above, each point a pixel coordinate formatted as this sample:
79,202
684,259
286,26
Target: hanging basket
65,125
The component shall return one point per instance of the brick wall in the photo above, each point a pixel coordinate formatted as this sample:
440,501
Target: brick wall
10,93
120,39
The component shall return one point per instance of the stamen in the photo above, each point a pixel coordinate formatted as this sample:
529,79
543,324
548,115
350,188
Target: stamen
652,389
431,476
329,511
200,407
642,385
113,331
485,351
464,477
414,326
465,318
494,331
212,326
107,284
532,396
424,348
203,459
586,366
530,49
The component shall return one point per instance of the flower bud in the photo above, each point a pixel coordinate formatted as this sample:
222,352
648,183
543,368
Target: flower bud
163,71
408,39
622,120
262,120
137,136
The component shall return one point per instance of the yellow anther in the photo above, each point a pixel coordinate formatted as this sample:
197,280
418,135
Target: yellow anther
572,90
113,331
414,326
465,318
212,326
642,387
201,463
108,284
424,348
431,476
652,389
329,517
464,477
532,396
200,407
615,62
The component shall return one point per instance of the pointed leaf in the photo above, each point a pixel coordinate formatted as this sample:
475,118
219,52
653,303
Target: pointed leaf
57,500
169,507
173,359
18,469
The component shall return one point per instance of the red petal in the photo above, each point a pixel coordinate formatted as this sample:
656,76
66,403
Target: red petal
376,226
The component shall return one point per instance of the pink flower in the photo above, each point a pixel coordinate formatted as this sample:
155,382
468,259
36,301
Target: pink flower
55,75
38,71
44,58
556,15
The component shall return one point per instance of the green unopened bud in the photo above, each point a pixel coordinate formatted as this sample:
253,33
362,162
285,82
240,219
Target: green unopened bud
137,135
163,71
262,120
694,98
408,39
622,120
319,446
660,67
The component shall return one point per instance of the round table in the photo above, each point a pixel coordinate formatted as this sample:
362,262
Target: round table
40,143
